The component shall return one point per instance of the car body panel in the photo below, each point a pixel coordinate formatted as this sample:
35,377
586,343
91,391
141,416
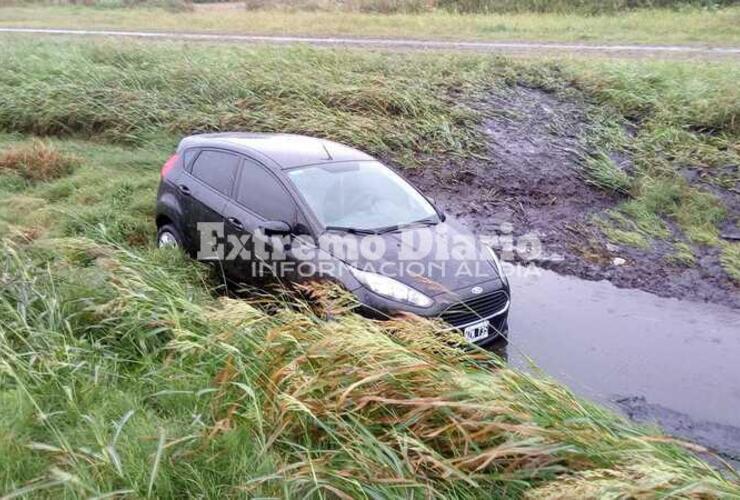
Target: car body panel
430,275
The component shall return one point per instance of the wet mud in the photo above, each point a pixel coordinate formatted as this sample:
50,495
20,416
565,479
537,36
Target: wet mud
531,181
724,440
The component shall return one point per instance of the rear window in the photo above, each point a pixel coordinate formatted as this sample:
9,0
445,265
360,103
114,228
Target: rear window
217,169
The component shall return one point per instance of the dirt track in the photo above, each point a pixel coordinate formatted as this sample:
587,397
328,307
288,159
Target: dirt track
523,48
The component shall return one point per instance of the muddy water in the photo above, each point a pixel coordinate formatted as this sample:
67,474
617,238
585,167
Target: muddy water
672,362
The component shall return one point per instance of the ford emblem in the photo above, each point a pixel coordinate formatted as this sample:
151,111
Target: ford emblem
476,290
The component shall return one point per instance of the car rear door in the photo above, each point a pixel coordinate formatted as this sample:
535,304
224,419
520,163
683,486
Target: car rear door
259,197
208,185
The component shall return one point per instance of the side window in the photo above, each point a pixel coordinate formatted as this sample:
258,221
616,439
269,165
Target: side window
217,169
261,193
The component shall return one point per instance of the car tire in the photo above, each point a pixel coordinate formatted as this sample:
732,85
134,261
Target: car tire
168,236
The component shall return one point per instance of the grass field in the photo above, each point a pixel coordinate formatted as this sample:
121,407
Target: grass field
641,26
125,372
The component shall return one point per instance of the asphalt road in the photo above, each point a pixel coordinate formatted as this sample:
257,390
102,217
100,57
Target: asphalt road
532,48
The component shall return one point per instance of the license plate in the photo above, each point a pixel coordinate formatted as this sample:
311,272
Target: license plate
476,332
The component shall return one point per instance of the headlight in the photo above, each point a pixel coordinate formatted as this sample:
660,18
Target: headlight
497,263
391,288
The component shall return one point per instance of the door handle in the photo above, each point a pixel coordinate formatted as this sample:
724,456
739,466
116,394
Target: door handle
235,222
184,189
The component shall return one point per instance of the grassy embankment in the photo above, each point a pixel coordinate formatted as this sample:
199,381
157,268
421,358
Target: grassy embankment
121,370
681,116
640,26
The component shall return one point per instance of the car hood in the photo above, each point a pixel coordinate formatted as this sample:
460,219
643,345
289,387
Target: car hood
445,258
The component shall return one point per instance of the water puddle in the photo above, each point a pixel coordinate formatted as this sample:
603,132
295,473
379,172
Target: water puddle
671,362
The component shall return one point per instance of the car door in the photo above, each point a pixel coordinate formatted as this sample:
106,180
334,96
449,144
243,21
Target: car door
208,185
259,197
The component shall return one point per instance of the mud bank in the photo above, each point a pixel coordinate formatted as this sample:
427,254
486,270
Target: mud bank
657,360
532,178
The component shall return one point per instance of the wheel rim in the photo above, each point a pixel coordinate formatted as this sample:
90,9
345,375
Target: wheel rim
166,239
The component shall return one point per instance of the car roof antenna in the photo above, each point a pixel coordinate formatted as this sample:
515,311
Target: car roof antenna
328,154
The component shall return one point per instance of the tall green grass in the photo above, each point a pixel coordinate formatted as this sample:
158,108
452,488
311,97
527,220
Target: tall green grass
134,94
123,374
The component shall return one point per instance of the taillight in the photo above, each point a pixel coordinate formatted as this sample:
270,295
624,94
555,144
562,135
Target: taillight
169,164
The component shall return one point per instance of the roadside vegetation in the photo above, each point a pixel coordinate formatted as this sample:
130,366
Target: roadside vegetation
486,6
423,6
708,25
682,134
676,122
127,371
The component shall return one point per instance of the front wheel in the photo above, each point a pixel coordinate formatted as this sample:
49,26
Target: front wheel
168,236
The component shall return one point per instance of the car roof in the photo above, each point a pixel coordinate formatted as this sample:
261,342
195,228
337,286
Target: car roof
286,150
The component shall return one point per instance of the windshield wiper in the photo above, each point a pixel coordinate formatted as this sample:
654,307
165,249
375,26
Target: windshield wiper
426,221
382,230
386,229
389,229
351,230
432,220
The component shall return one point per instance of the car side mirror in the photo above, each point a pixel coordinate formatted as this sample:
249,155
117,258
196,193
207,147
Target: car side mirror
275,228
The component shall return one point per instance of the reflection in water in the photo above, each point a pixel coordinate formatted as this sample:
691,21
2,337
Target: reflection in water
614,345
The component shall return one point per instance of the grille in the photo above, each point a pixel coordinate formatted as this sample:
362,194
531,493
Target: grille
475,308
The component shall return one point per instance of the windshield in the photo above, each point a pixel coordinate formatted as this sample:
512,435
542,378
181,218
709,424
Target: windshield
360,195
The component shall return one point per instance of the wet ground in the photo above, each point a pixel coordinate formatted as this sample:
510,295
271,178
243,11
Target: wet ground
650,356
659,360
531,178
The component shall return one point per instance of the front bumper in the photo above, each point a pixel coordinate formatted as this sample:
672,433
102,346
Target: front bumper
378,307
497,323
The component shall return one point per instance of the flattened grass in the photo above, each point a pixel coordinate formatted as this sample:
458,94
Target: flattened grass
123,374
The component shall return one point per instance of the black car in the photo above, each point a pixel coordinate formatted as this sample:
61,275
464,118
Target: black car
297,207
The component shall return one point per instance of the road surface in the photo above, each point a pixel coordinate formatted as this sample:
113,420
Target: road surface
532,48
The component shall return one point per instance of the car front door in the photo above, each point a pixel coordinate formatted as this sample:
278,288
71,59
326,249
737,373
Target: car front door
259,197
208,185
